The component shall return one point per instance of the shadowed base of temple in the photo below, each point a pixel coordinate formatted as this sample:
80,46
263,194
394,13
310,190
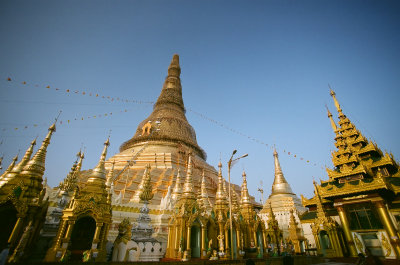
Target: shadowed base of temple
298,260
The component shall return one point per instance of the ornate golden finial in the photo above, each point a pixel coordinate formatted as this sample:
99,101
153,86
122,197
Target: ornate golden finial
203,194
147,191
333,124
188,186
10,167
177,191
81,156
99,172
220,196
36,165
235,204
245,196
110,175
25,159
337,105
18,168
70,182
174,69
280,185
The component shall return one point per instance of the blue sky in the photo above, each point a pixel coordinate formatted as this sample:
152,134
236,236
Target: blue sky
260,67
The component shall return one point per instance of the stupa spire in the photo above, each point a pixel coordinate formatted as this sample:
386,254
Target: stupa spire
280,185
169,115
10,167
245,196
220,196
70,181
81,157
146,193
18,168
337,105
333,124
177,191
188,186
99,172
110,175
204,194
36,166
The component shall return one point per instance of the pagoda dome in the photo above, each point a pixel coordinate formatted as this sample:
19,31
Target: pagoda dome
167,122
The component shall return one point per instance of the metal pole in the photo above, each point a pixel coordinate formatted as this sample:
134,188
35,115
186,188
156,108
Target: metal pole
230,205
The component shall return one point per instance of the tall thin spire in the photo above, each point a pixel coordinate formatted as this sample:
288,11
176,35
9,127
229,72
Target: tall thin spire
35,168
70,182
337,105
10,167
81,157
220,196
18,168
203,193
188,186
177,191
245,196
110,175
280,185
333,124
169,114
99,172
146,193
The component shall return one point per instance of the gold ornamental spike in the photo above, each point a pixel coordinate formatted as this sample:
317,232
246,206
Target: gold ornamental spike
280,185
320,208
177,191
18,168
188,186
70,181
147,191
99,172
25,159
174,68
10,167
333,124
220,196
245,196
36,166
81,157
203,194
337,105
110,175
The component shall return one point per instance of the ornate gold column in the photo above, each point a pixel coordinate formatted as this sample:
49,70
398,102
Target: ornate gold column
188,241
177,239
69,230
347,233
15,231
389,227
60,234
203,241
96,236
238,241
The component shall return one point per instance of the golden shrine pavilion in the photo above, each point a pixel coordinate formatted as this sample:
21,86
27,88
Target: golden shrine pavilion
358,208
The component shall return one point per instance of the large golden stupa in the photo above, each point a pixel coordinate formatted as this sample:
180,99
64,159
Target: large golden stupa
163,140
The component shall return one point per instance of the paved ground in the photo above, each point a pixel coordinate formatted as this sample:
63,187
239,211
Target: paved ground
334,263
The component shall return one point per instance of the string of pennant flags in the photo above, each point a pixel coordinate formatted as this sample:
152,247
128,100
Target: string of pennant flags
118,99
84,92
67,121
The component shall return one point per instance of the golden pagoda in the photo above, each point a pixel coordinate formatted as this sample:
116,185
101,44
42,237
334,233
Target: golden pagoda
22,204
85,220
362,193
282,200
163,140
188,224
273,233
254,230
